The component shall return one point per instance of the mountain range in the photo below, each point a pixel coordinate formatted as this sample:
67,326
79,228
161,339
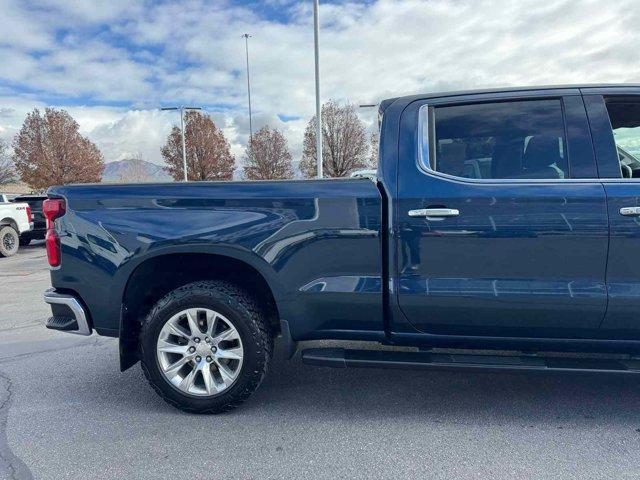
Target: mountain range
134,170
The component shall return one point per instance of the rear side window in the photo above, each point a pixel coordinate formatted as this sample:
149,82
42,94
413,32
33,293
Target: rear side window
502,140
625,123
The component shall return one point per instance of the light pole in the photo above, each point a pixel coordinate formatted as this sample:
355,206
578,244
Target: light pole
316,38
184,147
246,49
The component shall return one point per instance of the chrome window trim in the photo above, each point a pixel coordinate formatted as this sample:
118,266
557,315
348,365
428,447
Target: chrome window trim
424,123
620,180
425,166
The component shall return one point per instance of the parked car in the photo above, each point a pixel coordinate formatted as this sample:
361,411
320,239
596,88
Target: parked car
532,251
39,223
15,220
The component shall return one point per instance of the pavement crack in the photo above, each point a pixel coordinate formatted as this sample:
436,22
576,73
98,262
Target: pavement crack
95,342
15,467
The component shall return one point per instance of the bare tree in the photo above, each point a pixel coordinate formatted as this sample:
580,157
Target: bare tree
208,153
49,150
268,156
344,142
374,146
7,171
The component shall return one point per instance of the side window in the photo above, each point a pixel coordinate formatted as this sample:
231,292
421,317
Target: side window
508,140
625,122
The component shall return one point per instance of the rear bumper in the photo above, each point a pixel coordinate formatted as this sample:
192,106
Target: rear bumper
68,313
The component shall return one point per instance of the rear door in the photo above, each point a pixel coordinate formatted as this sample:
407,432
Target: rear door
614,115
502,221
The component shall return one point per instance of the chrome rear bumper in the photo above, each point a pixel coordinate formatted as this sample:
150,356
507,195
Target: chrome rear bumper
73,322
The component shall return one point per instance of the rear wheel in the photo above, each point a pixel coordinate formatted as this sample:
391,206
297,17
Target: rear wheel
9,241
205,347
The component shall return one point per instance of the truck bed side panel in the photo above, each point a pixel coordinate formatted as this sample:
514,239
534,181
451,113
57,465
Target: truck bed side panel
317,243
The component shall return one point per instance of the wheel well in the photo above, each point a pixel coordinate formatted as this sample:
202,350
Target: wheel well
9,221
157,276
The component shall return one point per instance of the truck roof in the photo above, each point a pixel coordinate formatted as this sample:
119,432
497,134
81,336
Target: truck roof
454,93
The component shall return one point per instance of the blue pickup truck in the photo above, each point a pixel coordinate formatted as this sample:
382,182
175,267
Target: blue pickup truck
498,235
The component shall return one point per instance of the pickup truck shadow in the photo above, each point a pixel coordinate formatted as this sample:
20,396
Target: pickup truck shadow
305,394
447,396
34,245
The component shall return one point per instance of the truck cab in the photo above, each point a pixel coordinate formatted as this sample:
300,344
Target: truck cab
513,214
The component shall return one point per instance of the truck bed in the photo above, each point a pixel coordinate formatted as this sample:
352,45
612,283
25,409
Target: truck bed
318,239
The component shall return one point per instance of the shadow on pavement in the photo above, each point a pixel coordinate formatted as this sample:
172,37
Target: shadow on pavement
307,393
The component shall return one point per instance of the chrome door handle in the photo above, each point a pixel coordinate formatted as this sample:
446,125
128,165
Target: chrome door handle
434,212
630,211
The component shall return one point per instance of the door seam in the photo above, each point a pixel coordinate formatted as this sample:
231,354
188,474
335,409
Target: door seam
606,263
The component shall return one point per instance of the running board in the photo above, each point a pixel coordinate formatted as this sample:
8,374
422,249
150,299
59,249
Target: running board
342,358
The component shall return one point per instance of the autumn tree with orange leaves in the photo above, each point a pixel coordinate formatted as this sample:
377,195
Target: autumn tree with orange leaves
268,157
49,150
208,153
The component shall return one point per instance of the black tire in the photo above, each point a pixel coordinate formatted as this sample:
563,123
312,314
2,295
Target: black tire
25,240
9,241
248,319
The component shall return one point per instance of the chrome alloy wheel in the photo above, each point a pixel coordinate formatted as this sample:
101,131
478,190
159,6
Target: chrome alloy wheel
200,352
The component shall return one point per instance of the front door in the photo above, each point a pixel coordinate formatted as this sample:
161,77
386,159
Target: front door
502,225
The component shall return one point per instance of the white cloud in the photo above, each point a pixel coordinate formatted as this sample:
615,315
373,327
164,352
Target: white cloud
20,31
127,134
131,53
12,113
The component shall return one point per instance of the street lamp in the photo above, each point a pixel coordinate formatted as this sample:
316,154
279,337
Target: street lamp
246,47
182,109
316,38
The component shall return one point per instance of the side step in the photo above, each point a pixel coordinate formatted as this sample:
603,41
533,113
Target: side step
62,323
342,358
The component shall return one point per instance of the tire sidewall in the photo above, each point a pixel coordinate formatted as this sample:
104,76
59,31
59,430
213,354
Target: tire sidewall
235,312
8,230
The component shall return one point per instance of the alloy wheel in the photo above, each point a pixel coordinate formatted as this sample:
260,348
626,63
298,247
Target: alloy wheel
200,352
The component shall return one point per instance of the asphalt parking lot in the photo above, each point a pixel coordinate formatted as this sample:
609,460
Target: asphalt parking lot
67,412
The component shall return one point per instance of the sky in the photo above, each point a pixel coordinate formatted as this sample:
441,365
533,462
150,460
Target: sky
113,63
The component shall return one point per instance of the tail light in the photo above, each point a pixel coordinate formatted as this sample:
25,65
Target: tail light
53,208
29,216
